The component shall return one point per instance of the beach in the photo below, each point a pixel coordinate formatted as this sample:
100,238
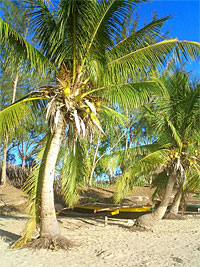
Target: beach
172,243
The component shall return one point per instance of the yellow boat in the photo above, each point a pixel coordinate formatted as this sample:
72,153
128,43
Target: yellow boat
122,212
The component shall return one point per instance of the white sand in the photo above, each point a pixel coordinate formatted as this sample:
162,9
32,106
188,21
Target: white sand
173,243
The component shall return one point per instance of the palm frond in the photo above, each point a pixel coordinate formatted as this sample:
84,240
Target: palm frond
187,50
128,95
13,115
33,187
146,165
75,172
141,38
104,25
147,149
112,116
192,110
22,49
153,160
193,179
175,134
71,32
159,182
110,161
43,23
153,55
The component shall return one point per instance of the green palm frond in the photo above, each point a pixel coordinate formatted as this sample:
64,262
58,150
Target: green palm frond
122,188
192,109
146,165
154,118
105,23
112,117
193,179
33,187
130,95
43,23
103,12
178,104
153,160
187,50
111,161
141,38
153,55
13,115
75,172
175,134
67,19
65,45
147,149
163,90
159,182
23,50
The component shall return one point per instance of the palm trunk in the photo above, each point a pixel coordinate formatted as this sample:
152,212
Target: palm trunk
91,175
15,87
149,220
49,225
94,163
3,170
176,203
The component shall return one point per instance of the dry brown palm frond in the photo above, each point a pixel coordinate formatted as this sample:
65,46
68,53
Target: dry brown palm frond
74,103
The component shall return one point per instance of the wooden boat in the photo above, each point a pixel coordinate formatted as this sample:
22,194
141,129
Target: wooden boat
118,212
193,208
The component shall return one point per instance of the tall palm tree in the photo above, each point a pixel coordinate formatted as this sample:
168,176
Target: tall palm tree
76,45
173,158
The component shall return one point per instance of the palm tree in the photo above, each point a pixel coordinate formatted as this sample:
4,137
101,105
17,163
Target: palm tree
173,158
77,47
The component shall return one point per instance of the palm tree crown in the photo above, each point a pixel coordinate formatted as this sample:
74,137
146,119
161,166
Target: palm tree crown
174,114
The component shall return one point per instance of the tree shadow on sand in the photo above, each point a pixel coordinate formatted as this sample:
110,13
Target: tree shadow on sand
111,222
8,237
13,217
100,221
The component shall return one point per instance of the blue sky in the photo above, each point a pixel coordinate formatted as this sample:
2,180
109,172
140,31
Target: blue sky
185,23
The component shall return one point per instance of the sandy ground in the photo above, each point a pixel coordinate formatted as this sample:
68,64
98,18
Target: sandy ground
173,243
